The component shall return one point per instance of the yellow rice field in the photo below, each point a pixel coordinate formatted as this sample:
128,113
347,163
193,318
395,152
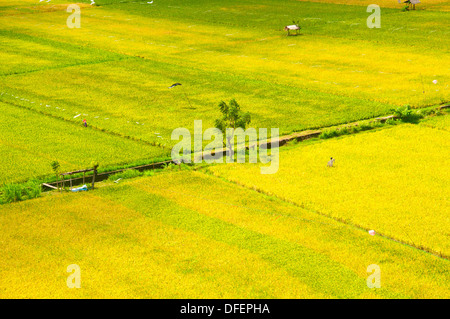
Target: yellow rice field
225,231
394,181
175,236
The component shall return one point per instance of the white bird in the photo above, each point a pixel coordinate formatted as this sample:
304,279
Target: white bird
150,2
92,2
435,81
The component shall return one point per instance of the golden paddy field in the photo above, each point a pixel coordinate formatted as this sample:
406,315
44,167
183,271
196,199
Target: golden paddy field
225,231
175,236
394,181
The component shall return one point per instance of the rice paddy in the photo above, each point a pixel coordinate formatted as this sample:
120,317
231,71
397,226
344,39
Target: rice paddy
125,55
175,236
225,230
30,141
393,181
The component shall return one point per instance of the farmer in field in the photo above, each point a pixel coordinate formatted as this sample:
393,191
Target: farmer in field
84,123
330,162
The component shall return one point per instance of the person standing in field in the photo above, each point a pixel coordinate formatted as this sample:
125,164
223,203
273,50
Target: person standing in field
84,123
330,162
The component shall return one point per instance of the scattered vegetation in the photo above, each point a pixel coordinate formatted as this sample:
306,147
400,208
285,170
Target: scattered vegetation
440,120
407,114
129,173
351,129
17,192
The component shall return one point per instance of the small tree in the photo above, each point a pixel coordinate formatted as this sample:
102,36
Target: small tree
232,118
55,166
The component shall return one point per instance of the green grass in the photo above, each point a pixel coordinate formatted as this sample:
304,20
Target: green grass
440,121
126,55
130,173
18,192
24,53
30,141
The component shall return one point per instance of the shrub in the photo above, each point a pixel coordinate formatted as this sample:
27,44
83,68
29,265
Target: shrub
352,129
407,114
355,129
12,193
18,192
390,122
170,166
32,189
344,131
329,134
438,112
365,126
338,132
376,124
149,173
403,111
